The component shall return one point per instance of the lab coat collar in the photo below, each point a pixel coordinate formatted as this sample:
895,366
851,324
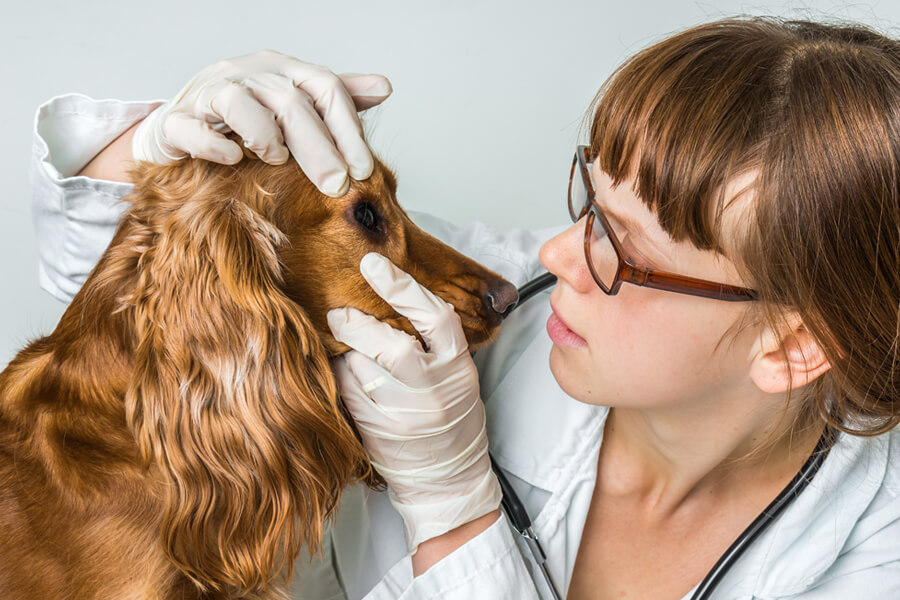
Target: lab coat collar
829,518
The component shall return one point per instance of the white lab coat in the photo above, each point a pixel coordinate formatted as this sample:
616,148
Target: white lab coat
840,539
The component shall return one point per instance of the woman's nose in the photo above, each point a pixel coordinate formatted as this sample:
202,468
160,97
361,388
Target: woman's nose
563,255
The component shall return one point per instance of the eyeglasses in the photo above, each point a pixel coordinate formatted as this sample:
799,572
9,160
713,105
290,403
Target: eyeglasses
608,262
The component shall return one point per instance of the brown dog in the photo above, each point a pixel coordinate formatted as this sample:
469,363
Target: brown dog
179,435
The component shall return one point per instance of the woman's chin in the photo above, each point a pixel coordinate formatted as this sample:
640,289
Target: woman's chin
569,377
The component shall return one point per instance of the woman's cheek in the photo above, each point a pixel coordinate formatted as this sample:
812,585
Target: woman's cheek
638,351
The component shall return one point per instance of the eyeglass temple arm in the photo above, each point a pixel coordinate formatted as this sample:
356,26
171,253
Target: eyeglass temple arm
686,285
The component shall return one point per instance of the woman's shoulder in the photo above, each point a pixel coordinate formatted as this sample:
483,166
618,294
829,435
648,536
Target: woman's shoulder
846,522
878,457
892,439
861,478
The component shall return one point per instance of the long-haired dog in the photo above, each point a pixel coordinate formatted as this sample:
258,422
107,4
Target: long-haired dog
180,434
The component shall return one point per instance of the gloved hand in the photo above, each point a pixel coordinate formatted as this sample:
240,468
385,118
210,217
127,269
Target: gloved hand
419,412
275,103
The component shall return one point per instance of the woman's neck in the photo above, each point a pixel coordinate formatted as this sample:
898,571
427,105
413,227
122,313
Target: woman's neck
664,458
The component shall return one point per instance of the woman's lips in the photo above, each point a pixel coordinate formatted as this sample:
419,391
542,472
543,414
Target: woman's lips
561,335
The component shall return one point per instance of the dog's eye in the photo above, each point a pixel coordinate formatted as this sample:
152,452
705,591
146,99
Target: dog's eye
366,216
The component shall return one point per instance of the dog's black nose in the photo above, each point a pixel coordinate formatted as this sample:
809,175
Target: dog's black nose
502,297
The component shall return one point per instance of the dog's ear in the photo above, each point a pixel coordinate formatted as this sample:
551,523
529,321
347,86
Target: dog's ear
233,403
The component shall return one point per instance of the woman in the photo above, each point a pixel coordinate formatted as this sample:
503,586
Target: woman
727,301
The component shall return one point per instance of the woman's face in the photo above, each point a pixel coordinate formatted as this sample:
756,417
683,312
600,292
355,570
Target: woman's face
643,347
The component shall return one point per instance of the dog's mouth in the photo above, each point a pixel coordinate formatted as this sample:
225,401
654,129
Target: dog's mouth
478,334
481,302
482,310
480,319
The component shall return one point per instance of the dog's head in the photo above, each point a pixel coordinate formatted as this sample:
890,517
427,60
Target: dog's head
232,400
327,237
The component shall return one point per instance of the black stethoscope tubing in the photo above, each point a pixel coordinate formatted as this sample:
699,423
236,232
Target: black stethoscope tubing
521,522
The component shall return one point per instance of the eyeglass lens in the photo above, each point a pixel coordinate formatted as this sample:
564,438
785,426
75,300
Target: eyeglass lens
601,253
602,258
578,194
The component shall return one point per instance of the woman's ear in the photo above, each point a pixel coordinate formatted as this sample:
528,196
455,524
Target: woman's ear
232,401
788,359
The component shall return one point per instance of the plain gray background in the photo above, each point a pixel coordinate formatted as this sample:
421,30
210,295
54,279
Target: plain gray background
488,96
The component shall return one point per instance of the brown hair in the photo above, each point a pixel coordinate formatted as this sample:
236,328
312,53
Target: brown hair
813,110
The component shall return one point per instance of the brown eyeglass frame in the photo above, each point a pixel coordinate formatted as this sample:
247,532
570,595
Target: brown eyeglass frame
631,273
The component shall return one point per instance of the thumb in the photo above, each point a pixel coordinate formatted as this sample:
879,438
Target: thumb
200,140
367,90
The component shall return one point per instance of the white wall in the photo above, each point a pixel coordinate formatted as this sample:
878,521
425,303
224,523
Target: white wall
488,95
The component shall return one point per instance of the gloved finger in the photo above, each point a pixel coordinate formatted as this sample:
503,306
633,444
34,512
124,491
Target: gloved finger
435,320
370,419
385,425
410,412
362,407
374,420
244,113
397,352
366,90
200,140
305,134
338,111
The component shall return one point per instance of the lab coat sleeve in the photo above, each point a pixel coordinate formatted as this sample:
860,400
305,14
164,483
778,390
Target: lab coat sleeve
488,567
75,217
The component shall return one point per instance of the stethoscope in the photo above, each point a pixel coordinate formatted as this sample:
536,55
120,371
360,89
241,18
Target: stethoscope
521,522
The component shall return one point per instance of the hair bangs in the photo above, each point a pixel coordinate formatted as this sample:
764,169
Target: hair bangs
683,118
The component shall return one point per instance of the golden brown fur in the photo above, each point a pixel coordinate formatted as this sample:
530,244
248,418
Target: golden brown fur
180,435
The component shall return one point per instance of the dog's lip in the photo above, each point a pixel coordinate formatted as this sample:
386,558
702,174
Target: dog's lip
478,332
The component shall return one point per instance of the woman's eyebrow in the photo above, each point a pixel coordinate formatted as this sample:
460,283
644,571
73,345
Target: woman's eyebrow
638,232
627,221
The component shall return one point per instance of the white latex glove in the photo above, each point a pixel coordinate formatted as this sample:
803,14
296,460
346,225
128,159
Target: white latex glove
419,413
276,103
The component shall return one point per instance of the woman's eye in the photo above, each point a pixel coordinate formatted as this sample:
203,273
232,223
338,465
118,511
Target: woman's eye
366,216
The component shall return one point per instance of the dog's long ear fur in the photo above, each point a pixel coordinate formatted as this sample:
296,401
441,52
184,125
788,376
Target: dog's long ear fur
232,403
